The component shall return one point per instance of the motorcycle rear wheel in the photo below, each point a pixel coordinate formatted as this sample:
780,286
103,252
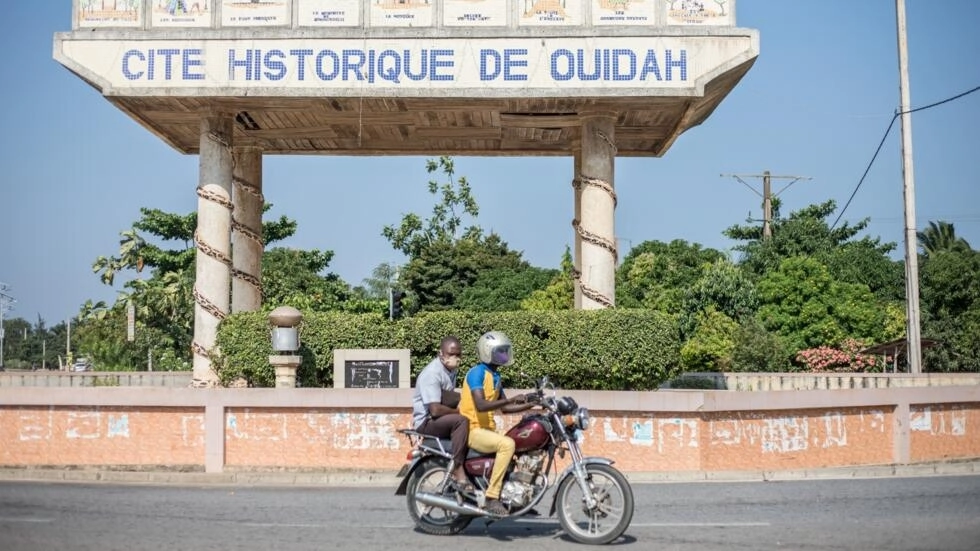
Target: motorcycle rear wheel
612,514
430,519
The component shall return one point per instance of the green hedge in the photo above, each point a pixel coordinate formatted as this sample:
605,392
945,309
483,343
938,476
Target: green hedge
613,349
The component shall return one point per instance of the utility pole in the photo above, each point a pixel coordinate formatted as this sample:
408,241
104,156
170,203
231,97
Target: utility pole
767,195
6,302
914,349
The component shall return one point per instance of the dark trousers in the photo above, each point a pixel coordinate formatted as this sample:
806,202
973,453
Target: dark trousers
453,426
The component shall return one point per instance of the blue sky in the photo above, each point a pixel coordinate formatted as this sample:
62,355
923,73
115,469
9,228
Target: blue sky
816,104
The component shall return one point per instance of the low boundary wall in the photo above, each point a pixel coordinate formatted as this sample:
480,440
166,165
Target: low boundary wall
174,379
830,381
233,430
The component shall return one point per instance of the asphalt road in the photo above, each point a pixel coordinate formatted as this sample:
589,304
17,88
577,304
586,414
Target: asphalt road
923,513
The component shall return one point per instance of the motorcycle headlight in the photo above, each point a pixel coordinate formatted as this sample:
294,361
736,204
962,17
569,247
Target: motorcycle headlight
582,418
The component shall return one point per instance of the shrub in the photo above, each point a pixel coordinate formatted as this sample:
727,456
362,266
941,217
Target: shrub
846,358
614,349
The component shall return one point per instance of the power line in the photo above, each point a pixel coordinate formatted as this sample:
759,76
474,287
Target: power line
767,195
882,143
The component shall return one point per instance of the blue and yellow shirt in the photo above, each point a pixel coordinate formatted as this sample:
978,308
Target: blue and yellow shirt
480,376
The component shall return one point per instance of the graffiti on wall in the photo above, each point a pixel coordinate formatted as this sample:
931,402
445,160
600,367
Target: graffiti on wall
793,433
192,430
349,431
948,421
258,426
364,431
79,425
771,434
671,431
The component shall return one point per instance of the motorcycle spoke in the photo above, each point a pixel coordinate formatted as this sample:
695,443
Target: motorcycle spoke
435,484
609,507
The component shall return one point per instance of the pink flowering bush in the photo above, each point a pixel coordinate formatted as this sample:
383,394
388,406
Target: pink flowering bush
846,358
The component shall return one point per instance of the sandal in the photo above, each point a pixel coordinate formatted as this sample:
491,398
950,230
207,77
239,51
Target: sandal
496,508
464,486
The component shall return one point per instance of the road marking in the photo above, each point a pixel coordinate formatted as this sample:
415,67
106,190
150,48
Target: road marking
698,524
37,520
283,525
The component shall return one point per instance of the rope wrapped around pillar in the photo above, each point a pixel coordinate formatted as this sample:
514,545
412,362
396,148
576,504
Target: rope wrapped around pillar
212,237
580,183
252,234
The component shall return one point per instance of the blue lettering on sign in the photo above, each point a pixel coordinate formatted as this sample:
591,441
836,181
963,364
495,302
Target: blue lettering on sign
615,64
493,63
345,65
397,66
137,65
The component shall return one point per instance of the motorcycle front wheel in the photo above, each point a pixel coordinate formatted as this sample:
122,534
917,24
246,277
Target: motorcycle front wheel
430,519
612,513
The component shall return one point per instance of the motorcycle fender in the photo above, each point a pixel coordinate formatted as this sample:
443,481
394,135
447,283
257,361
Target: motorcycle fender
406,473
568,472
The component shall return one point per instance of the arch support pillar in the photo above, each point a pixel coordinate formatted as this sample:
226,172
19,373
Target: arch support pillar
246,230
212,283
595,208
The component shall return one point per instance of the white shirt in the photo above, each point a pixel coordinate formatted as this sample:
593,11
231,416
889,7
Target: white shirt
428,389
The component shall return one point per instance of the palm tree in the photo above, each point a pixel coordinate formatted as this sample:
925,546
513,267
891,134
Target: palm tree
129,257
941,237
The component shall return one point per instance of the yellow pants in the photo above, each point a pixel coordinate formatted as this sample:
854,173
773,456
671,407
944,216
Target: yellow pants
488,441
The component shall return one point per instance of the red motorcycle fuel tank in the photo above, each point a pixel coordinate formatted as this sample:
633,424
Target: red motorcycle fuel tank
530,434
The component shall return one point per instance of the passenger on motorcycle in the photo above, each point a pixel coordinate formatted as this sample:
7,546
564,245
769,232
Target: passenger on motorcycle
431,417
483,394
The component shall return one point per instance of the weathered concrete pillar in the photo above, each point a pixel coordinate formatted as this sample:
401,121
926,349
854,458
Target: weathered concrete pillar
577,217
246,230
212,284
597,278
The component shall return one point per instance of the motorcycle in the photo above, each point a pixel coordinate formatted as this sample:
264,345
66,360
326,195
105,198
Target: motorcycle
592,499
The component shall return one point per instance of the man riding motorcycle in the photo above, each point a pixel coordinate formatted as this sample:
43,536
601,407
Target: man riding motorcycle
483,394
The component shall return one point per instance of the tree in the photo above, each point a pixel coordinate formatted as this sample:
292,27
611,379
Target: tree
504,289
438,276
758,350
414,235
444,258
163,300
950,301
292,277
941,237
803,303
560,292
710,347
722,287
656,274
383,278
806,233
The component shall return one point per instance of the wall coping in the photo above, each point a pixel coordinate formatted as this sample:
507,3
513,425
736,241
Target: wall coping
679,401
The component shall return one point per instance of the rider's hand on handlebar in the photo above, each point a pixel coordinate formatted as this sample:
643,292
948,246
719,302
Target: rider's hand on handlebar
529,398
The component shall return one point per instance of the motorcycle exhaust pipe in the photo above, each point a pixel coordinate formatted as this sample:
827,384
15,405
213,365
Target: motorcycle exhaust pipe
450,504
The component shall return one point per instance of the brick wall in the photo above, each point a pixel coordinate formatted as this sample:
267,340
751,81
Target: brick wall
315,429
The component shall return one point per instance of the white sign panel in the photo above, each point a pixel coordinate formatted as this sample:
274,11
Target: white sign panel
121,13
254,13
401,13
699,12
474,13
561,13
329,13
624,12
181,13
349,67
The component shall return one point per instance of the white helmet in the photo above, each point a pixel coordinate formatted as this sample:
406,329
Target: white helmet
494,348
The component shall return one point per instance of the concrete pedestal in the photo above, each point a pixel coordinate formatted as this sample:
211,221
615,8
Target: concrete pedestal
285,367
